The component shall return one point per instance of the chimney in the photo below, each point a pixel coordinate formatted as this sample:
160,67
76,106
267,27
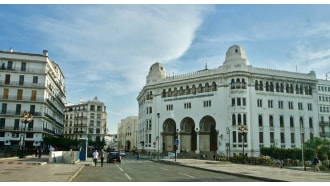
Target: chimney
45,52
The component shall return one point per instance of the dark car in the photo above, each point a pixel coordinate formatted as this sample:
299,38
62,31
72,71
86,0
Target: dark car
114,156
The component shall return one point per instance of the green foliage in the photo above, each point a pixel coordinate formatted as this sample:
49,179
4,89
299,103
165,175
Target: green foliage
314,146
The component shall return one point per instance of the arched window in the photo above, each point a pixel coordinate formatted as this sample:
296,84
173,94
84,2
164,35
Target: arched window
291,122
238,83
271,87
267,86
256,85
277,87
271,121
243,84
232,84
200,88
214,86
239,119
164,93
207,87
193,89
261,86
187,90
175,92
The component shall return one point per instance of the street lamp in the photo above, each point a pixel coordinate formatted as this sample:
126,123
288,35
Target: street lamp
243,129
158,115
228,143
302,145
26,118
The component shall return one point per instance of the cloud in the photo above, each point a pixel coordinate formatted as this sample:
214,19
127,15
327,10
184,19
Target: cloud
106,50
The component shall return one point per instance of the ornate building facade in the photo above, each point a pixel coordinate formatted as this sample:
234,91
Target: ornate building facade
204,112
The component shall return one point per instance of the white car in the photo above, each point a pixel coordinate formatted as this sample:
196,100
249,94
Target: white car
122,153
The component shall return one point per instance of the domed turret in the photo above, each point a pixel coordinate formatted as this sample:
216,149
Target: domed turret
157,71
236,56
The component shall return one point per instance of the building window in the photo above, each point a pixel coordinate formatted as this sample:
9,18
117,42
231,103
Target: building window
18,109
271,121
309,106
21,80
238,101
233,119
244,102
19,94
290,105
169,107
280,104
281,121
23,66
311,123
292,138
282,137
259,102
187,105
260,120
5,93
270,103
261,137
33,95
300,106
207,103
232,101
35,79
291,122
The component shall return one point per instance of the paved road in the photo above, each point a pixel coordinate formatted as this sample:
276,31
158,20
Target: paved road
38,170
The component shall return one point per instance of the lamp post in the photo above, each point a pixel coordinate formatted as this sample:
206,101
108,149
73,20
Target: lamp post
26,118
158,115
302,146
228,143
243,129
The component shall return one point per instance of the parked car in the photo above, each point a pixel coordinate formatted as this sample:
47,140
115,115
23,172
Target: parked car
122,153
114,156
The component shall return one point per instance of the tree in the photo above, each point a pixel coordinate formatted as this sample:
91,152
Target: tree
320,147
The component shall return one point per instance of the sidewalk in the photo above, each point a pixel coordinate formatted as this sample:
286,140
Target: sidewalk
286,174
31,169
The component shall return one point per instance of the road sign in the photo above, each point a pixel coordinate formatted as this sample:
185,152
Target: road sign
176,142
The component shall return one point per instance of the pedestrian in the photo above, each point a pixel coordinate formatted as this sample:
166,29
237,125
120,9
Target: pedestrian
316,163
102,156
36,151
95,156
39,152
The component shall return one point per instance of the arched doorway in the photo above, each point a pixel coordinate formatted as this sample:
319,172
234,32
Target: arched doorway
188,135
208,134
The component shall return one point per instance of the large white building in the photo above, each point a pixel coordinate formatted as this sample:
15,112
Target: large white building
204,110
86,120
35,84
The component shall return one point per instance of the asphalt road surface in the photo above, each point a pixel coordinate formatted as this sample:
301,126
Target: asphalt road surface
132,170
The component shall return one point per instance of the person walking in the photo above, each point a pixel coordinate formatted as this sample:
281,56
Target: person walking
316,163
102,156
95,157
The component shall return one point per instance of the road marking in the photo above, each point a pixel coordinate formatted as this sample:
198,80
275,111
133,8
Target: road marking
119,168
163,168
187,175
128,177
